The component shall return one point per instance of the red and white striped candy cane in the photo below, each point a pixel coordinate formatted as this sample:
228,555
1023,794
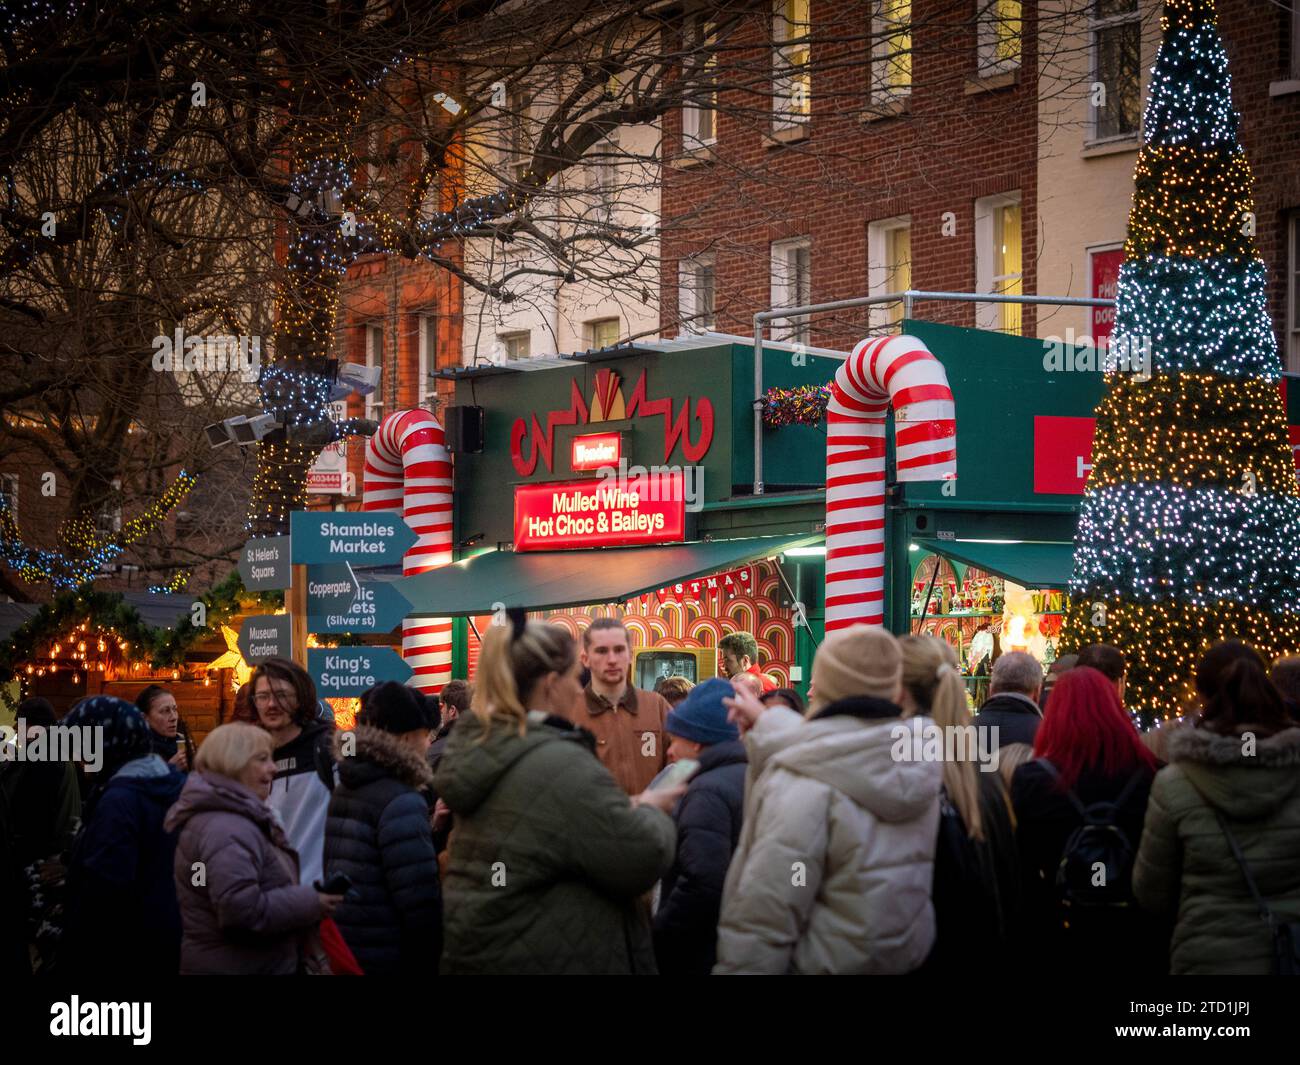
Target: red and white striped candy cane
407,463
902,371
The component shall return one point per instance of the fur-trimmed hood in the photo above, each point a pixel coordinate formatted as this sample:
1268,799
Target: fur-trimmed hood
379,753
1247,777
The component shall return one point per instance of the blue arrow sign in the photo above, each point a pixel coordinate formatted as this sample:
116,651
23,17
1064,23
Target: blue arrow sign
378,607
349,671
363,538
330,589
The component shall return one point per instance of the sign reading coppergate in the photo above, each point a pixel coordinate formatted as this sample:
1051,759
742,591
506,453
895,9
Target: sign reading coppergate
597,514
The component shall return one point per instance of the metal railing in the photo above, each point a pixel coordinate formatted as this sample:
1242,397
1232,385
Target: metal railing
907,298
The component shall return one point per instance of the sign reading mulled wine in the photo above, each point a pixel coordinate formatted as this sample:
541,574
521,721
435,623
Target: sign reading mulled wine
605,513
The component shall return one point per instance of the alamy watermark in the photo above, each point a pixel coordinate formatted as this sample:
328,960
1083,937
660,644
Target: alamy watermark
221,352
1083,354
56,743
656,484
946,743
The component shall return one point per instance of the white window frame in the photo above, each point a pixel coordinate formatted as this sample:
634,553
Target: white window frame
989,315
987,38
1292,358
427,325
1095,27
112,514
700,34
688,274
879,269
591,326
375,357
786,290
882,52
603,169
504,340
9,488
791,92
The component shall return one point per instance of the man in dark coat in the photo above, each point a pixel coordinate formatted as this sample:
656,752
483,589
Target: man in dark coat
378,834
708,821
1012,707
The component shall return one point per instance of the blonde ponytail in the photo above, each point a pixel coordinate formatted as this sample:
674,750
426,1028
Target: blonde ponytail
931,676
509,665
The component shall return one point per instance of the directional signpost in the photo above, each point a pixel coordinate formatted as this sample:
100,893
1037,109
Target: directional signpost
363,538
264,564
330,589
344,672
265,636
379,607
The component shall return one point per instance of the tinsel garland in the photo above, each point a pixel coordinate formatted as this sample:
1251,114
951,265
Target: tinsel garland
804,405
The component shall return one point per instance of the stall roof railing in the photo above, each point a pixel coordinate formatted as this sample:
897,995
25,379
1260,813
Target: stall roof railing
908,298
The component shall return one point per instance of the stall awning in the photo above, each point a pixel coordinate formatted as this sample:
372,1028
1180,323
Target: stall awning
540,580
1033,564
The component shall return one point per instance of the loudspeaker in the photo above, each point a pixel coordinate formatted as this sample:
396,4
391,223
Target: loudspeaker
464,429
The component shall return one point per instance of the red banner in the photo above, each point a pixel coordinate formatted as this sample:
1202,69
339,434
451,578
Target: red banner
1105,283
603,513
1062,454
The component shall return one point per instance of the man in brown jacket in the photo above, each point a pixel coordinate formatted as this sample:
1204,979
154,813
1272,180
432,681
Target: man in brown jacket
628,723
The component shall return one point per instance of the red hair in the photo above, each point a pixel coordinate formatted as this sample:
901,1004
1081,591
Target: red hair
1085,727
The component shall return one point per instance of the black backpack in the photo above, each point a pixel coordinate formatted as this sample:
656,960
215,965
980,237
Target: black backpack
1098,846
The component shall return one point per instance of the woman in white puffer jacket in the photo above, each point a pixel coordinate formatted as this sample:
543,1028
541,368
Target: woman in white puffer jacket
835,862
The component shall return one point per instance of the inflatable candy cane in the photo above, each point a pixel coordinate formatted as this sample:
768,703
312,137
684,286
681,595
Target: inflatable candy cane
898,370
407,462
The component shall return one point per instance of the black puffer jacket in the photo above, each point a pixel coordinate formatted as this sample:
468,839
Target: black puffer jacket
378,834
708,820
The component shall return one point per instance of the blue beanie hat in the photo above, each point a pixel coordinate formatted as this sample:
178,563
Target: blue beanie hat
124,731
701,717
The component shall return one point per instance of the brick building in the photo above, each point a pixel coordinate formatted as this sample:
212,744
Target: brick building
903,158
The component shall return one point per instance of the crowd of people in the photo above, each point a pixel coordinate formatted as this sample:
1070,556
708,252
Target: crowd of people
553,818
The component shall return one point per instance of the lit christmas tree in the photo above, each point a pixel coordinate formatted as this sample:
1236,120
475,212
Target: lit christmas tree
1190,527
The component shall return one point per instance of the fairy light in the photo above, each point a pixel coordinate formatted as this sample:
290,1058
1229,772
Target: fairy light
1190,527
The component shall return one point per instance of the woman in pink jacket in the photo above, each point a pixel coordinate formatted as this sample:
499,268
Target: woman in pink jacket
242,907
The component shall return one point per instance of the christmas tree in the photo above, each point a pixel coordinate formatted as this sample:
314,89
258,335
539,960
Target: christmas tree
1190,527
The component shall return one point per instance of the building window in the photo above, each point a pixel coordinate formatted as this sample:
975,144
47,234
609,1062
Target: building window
108,521
889,266
791,287
792,84
696,293
1116,69
375,357
700,116
9,493
998,261
891,71
1293,294
604,177
999,35
602,333
519,147
428,326
515,345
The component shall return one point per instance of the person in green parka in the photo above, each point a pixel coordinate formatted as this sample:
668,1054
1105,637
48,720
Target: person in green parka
550,861
1236,767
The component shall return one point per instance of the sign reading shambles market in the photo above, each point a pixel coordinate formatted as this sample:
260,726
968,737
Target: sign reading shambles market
363,538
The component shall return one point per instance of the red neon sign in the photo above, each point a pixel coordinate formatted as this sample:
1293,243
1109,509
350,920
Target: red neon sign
597,450
604,513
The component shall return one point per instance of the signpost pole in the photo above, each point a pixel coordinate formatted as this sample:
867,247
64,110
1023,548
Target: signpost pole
296,602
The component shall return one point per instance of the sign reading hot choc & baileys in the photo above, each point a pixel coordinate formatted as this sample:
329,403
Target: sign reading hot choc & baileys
599,514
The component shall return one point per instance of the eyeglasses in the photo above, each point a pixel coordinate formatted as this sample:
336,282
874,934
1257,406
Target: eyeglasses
266,698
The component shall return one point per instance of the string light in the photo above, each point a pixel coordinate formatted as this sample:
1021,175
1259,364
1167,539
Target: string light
1190,526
